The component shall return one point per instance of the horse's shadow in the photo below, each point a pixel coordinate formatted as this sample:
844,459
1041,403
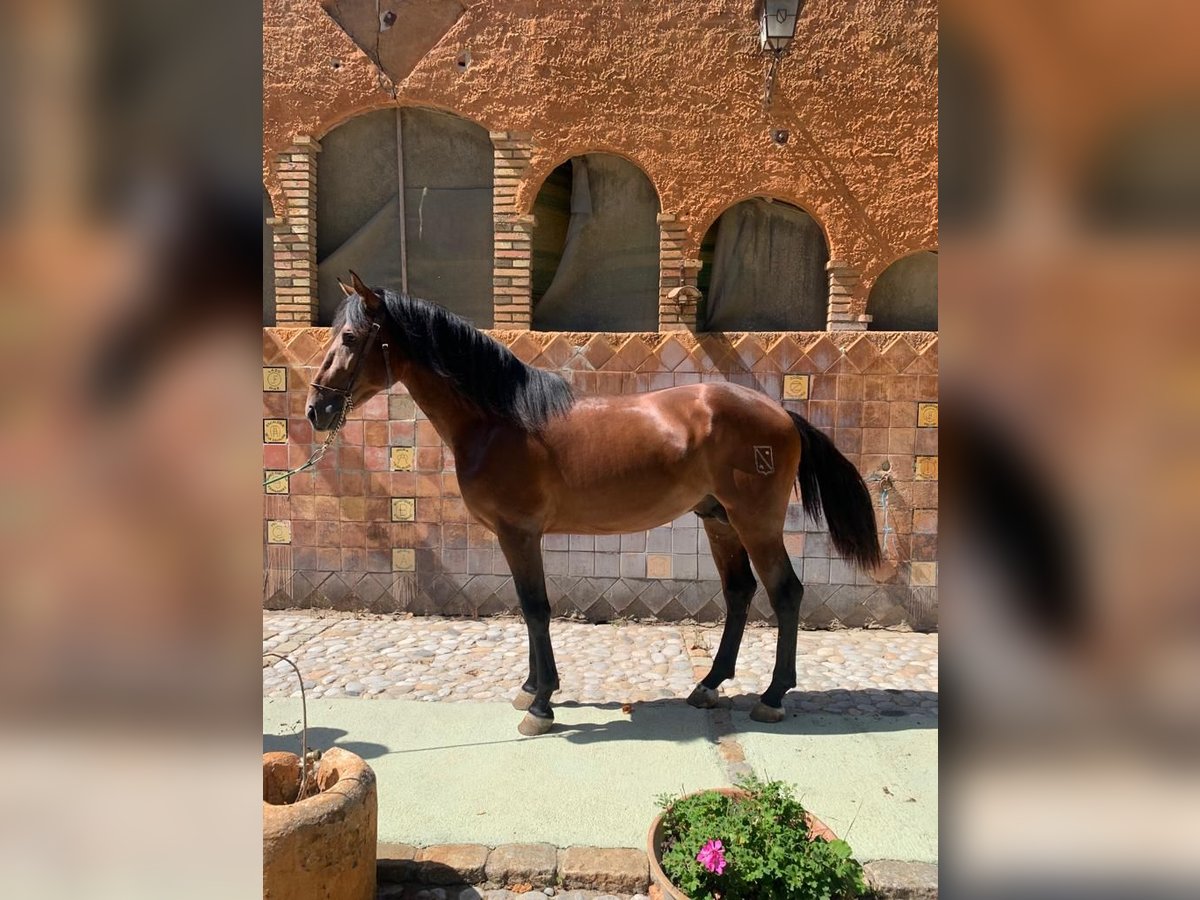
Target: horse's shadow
666,720
320,738
660,719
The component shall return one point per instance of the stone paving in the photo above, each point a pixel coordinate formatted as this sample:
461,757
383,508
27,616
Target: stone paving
415,892
854,672
509,871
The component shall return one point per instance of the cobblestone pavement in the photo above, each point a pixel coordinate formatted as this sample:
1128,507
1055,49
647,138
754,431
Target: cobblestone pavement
856,672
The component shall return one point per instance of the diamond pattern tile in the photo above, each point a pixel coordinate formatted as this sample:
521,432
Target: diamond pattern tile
351,548
862,353
671,354
899,353
823,353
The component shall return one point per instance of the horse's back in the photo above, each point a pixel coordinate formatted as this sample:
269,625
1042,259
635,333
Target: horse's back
632,461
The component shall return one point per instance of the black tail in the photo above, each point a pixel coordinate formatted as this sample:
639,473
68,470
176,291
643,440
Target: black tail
829,481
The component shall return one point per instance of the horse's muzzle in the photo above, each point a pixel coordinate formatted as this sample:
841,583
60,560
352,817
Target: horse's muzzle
324,412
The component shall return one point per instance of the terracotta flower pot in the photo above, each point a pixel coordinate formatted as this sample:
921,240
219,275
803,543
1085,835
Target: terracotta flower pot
654,839
322,845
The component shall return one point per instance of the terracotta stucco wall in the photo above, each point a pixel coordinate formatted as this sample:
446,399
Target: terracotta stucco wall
677,89
674,87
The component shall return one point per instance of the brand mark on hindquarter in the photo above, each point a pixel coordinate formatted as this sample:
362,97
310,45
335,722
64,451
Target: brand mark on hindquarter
764,460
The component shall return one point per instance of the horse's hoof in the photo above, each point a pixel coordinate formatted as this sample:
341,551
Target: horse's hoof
768,714
523,700
532,726
703,698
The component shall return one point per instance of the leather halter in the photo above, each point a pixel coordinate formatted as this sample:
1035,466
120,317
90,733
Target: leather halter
348,391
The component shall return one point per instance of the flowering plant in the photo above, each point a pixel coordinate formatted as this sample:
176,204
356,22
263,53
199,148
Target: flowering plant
752,847
712,857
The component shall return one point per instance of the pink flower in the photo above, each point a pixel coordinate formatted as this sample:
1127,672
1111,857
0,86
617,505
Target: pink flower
712,857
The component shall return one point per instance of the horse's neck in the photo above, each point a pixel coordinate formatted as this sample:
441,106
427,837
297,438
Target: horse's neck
453,417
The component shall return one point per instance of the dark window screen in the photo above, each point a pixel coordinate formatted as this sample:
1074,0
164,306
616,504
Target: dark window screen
596,248
447,209
905,296
764,270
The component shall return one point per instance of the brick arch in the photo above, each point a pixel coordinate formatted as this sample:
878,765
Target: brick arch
274,192
783,197
342,116
334,118
543,164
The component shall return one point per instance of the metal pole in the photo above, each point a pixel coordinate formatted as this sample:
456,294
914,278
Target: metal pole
400,197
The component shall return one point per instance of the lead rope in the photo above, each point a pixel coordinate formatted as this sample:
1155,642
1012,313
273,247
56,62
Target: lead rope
304,752
319,453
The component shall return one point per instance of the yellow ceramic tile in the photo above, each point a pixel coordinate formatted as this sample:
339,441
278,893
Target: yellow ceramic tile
404,560
276,487
927,468
795,387
404,509
279,531
402,459
658,565
927,415
275,431
274,378
353,509
924,574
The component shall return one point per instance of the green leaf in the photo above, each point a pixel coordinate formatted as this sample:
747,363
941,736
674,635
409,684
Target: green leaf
840,849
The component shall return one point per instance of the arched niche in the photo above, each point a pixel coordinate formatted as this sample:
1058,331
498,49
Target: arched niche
763,269
595,247
904,296
435,235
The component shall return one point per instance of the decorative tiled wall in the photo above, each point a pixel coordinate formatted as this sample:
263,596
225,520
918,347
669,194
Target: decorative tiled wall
379,524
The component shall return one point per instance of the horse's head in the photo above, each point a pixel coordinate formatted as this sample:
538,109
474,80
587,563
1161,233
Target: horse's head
356,365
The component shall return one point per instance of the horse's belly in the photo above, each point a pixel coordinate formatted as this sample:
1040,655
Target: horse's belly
629,463
621,507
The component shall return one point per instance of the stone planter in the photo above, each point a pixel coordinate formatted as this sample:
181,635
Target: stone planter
322,846
661,886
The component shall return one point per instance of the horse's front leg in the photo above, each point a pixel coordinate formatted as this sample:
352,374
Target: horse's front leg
524,554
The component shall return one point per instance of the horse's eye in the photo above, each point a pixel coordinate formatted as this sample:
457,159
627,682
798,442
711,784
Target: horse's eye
348,339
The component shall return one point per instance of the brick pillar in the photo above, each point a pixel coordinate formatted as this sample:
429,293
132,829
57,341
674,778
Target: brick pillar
846,303
678,296
295,235
512,233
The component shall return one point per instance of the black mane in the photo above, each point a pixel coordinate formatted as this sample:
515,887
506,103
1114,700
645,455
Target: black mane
480,368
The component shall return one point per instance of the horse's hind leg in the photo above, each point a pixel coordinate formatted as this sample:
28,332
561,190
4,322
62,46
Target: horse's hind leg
759,525
524,555
529,688
785,590
738,584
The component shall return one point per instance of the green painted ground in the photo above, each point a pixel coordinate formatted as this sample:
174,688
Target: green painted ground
453,772
872,779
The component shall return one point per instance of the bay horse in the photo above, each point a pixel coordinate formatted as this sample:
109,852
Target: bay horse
533,459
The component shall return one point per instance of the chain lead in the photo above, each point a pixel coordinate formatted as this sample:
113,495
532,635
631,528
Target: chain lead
319,453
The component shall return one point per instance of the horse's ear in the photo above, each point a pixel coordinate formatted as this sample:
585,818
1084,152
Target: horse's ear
370,299
346,289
